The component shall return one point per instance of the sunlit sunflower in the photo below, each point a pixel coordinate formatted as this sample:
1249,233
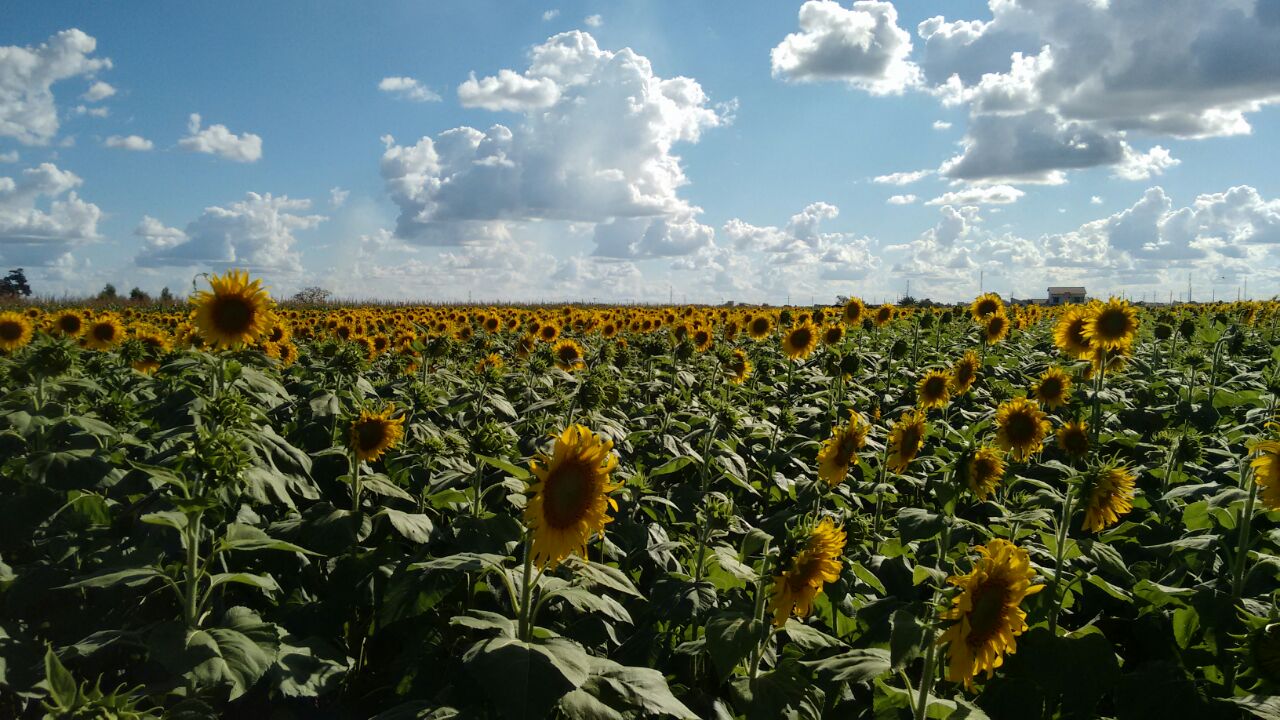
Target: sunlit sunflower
374,433
701,339
759,327
548,333
570,501
1068,334
155,343
985,470
853,312
568,355
1021,428
987,614
840,451
288,353
1266,471
986,305
104,332
964,373
1073,439
69,323
995,329
738,367
934,389
800,341
905,439
818,562
234,311
525,346
1108,494
884,315
1111,326
1054,388
15,331
492,360
1115,361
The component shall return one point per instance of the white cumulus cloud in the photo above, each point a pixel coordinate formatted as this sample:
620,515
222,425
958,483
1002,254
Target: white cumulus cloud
99,91
42,218
128,142
862,46
980,195
254,233
218,140
27,74
407,88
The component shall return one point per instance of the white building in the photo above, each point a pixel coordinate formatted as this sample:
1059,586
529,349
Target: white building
1066,296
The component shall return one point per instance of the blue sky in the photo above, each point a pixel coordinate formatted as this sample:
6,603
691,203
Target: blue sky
627,150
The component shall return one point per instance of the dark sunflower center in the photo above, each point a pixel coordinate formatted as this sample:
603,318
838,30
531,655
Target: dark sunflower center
104,332
986,307
1076,441
567,494
986,618
996,325
1021,428
1112,324
1051,387
984,469
233,315
277,334
371,434
910,439
10,330
568,354
833,335
801,338
69,323
548,332
1076,333
964,373
935,386
701,337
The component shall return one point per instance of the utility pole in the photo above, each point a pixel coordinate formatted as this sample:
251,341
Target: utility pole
982,279
1188,288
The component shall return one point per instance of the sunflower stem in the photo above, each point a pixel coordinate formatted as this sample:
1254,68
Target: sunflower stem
759,615
526,591
1245,522
1063,524
1095,426
926,676
356,486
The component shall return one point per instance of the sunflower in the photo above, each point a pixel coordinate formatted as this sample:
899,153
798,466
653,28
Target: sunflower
995,328
155,343
840,451
1115,361
1111,326
104,332
15,331
69,323
738,367
568,355
986,305
701,339
492,360
1109,494
884,315
800,341
570,499
1069,335
832,334
817,562
853,312
1021,428
987,613
1073,439
759,327
234,311
1054,388
1266,471
985,469
374,433
933,390
905,439
964,373
525,346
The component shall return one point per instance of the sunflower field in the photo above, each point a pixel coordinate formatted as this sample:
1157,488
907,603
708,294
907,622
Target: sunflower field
236,508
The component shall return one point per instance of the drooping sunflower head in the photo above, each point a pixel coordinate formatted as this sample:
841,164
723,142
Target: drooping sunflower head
965,372
570,501
372,434
840,451
15,331
1073,439
1112,326
155,343
853,312
1053,389
103,333
995,328
568,355
69,323
1021,428
738,367
234,311
1108,493
525,345
800,341
986,305
759,327
985,470
934,389
1266,471
817,563
1069,335
905,439
987,614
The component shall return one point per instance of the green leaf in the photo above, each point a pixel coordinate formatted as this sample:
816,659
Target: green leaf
1263,706
262,582
62,687
603,575
918,524
132,577
857,665
729,639
906,637
462,562
247,537
413,527
613,690
514,471
231,657
868,577
671,466
587,601
533,677
382,485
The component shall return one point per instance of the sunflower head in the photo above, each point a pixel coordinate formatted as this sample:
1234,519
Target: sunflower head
1021,428
984,471
934,389
884,315
15,331
853,312
840,451
832,334
1053,388
568,355
816,563
965,372
103,333
234,311
69,323
1112,325
995,328
987,615
759,327
905,439
1108,493
738,367
492,361
570,500
1266,471
986,305
1073,439
800,341
1069,335
372,433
